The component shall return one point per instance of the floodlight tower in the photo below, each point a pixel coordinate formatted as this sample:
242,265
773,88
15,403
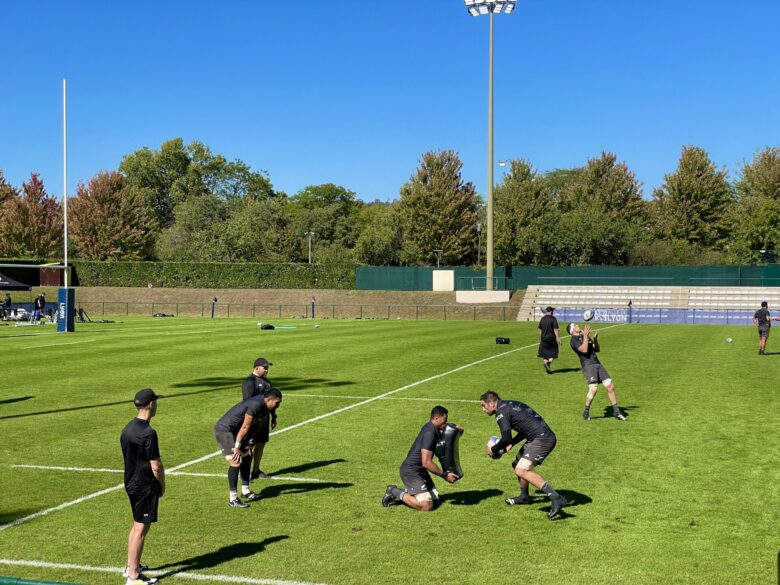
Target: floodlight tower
477,8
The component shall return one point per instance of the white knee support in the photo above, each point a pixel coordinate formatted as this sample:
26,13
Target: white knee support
592,389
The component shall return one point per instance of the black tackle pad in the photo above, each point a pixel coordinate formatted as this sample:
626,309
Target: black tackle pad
447,450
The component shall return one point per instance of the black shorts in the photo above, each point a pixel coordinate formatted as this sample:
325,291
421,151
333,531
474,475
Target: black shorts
262,434
144,507
537,449
595,373
763,331
548,349
418,482
226,441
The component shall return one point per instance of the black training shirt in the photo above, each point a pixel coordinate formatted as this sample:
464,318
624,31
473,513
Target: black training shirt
512,415
139,447
427,439
254,386
233,419
548,324
589,357
762,315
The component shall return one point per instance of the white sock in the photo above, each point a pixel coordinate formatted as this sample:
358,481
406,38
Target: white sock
233,496
245,490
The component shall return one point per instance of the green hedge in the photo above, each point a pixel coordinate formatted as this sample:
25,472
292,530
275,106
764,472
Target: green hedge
214,275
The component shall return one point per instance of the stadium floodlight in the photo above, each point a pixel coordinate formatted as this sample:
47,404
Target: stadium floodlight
309,234
476,8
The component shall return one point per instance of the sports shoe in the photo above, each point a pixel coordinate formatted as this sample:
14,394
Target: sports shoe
557,502
140,580
259,474
547,368
388,498
586,414
518,501
236,503
141,569
251,497
619,415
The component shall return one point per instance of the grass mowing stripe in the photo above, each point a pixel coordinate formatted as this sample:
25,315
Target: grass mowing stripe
58,344
175,473
183,574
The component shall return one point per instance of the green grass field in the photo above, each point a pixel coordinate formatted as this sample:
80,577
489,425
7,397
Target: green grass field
685,491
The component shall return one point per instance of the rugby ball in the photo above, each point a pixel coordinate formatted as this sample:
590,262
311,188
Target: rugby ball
588,314
492,441
729,340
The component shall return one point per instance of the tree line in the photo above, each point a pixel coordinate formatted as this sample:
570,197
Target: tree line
182,202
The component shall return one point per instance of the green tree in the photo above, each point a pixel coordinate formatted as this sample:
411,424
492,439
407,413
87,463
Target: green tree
439,211
761,177
693,203
196,234
109,219
379,243
31,222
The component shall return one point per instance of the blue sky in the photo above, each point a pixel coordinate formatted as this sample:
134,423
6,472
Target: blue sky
355,91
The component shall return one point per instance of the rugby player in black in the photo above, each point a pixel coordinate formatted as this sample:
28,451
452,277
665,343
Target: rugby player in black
144,481
586,346
763,319
549,339
420,493
257,384
512,415
233,432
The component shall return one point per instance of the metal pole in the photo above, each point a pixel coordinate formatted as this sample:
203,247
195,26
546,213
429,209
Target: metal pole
65,171
489,258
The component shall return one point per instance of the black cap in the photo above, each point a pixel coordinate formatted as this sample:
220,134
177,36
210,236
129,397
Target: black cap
549,309
144,397
262,362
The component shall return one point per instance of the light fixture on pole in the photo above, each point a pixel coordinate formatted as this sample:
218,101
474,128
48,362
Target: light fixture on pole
309,235
477,8
438,257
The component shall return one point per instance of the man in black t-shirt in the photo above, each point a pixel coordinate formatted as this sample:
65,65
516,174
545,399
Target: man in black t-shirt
233,432
763,319
420,493
144,481
257,384
512,415
586,346
549,338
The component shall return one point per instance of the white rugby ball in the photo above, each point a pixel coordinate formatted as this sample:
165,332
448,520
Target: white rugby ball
588,314
492,441
729,340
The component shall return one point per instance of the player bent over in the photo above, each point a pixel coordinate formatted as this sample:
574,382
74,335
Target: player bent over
420,493
512,415
233,432
586,346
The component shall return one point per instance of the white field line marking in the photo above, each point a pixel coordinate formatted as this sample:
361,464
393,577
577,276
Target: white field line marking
183,473
56,344
183,574
296,395
24,519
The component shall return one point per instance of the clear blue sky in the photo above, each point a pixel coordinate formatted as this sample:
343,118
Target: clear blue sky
354,91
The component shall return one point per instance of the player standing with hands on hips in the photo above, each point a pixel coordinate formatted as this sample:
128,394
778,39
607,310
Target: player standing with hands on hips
144,481
586,346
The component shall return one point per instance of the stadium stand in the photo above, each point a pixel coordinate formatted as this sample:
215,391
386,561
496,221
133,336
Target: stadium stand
711,298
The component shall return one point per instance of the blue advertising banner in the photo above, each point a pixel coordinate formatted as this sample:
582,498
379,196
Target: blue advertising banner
644,315
66,310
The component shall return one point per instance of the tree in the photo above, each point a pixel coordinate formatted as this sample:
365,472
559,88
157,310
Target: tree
109,219
693,202
379,242
761,178
523,209
176,173
439,211
197,233
31,222
330,211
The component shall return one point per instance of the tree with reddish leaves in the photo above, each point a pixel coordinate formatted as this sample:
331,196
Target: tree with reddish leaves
108,218
30,222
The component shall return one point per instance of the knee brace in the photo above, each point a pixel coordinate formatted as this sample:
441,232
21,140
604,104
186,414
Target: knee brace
592,389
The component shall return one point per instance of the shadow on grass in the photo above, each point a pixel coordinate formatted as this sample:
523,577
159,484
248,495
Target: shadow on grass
12,400
299,488
11,515
566,370
573,498
470,497
609,414
284,383
306,466
222,555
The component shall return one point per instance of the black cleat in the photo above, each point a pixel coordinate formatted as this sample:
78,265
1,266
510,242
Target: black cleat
586,414
557,502
620,416
388,498
251,497
547,368
259,474
236,503
518,501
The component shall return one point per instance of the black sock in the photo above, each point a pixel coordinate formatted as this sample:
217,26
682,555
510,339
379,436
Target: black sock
547,489
245,469
397,493
233,478
524,491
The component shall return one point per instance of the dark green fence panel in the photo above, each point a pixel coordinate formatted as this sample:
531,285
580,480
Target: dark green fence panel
394,278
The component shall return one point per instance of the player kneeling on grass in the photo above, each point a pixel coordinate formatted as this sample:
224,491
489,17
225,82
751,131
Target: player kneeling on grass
420,493
586,346
233,432
512,415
